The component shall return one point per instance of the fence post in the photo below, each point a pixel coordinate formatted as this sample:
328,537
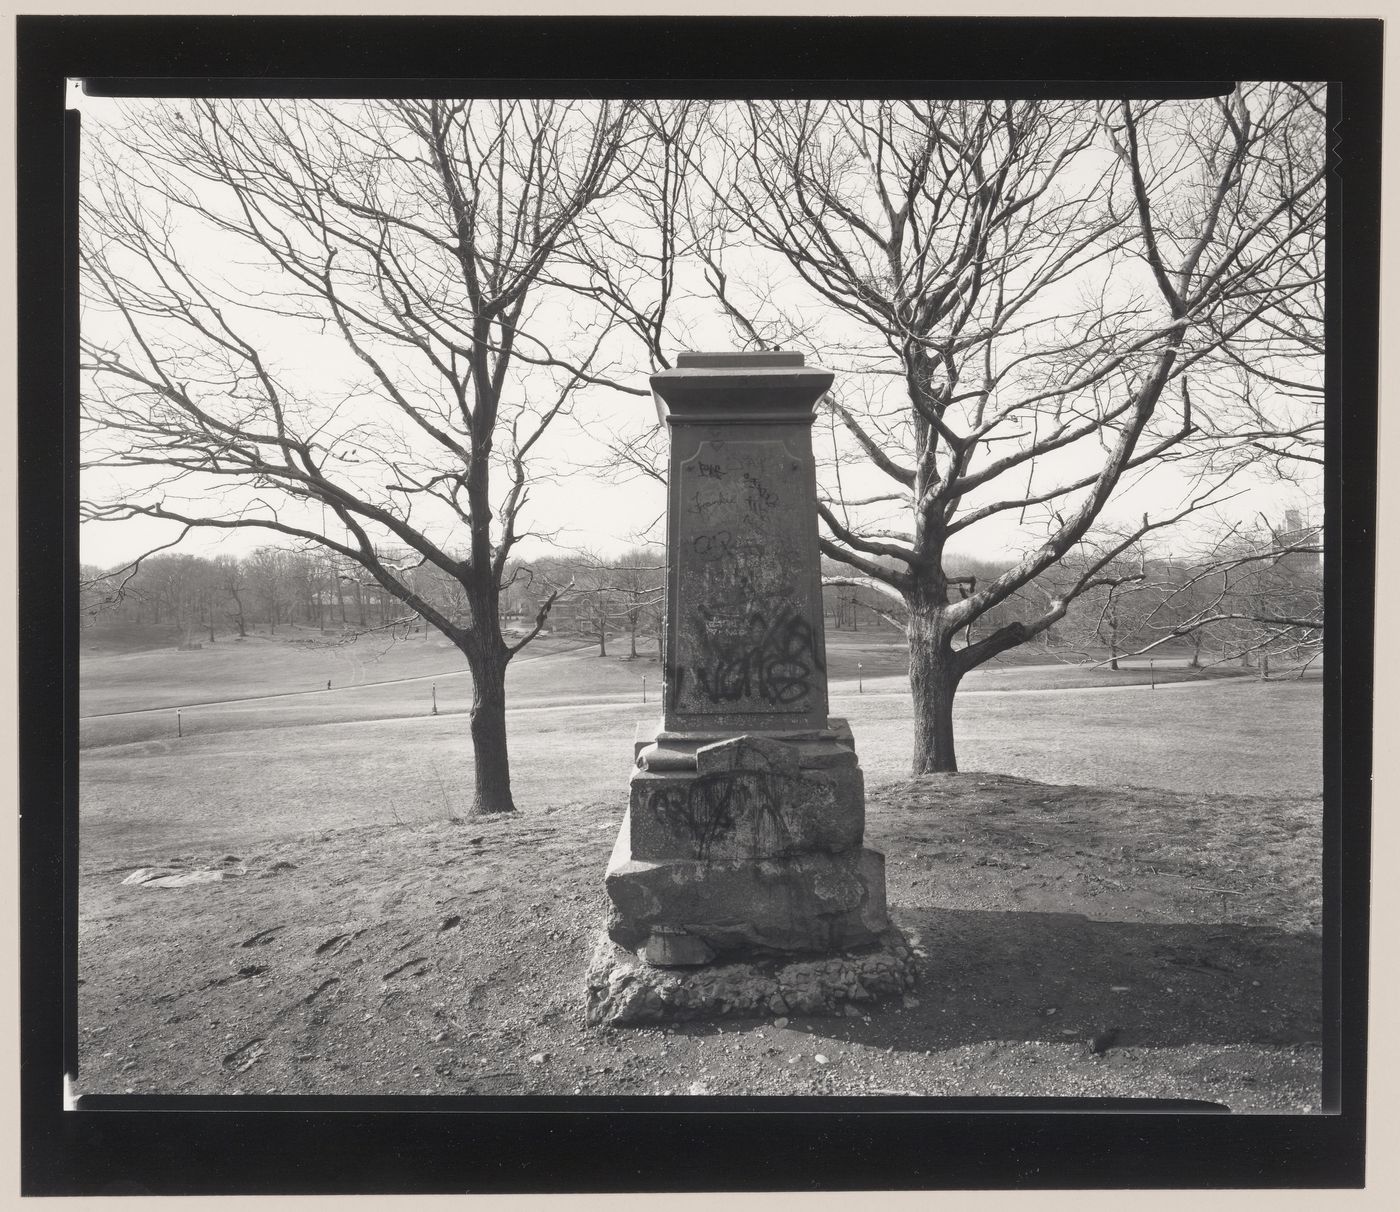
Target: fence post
644,688
860,678
435,698
179,725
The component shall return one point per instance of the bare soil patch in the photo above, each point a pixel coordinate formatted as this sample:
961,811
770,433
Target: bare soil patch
1073,941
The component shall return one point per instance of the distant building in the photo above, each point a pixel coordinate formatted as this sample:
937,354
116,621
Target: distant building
1294,534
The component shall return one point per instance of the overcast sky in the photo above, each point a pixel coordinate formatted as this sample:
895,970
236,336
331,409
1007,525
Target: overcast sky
582,507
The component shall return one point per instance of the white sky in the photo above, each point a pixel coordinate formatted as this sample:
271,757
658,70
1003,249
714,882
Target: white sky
609,514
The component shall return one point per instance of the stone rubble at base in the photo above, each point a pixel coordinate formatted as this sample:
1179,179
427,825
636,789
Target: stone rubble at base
624,990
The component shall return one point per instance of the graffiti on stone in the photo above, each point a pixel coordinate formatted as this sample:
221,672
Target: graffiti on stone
744,643
710,809
769,657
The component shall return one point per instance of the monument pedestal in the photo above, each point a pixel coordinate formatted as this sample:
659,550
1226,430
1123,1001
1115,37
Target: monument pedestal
740,882
745,846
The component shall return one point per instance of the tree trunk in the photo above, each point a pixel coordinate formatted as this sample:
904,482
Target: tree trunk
933,678
488,724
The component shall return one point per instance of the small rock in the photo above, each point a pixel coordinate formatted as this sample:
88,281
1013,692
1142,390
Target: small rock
183,879
819,1058
910,1002
1103,1041
144,874
539,1058
780,1022
850,1011
439,1037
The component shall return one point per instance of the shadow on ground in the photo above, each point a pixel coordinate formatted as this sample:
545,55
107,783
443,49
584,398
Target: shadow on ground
1058,977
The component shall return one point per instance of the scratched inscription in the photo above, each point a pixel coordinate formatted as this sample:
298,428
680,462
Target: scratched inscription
744,642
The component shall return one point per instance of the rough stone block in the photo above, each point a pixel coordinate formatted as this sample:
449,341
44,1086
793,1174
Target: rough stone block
747,798
623,990
674,948
804,903
654,748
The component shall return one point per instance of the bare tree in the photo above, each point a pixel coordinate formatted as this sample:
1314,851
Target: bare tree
1110,612
1247,594
636,581
596,604
231,578
1020,291
413,240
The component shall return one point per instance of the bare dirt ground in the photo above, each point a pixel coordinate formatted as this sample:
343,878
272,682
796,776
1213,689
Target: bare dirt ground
1073,941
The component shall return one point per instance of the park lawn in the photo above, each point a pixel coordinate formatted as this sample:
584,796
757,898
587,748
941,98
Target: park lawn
234,778
1238,736
272,684
143,707
385,672
296,661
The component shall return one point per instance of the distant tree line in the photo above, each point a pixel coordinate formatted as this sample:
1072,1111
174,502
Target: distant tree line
202,597
1251,595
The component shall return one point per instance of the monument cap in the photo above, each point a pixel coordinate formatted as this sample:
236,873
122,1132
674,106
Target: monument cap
759,387
738,360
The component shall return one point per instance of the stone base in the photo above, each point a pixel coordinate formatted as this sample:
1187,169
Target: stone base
755,848
807,904
624,990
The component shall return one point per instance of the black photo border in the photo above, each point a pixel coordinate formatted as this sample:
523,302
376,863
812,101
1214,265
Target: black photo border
362,1146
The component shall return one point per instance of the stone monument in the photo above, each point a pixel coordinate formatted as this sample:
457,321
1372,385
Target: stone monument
740,882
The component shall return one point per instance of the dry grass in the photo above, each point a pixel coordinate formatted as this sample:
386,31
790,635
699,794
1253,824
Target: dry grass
373,754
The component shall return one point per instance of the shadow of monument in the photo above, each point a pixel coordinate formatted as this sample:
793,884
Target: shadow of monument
988,977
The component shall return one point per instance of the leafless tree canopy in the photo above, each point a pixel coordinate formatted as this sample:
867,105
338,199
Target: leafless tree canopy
424,241
1031,306
1036,302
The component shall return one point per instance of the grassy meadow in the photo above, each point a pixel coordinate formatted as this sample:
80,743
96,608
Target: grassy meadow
267,752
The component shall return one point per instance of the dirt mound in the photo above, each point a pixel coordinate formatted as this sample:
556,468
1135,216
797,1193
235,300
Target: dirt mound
1070,941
